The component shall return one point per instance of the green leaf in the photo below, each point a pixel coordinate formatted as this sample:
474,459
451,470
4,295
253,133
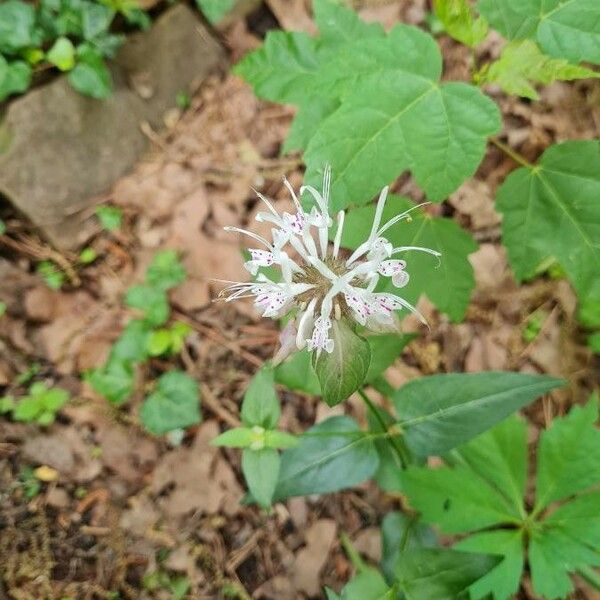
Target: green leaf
17,23
333,455
115,380
593,342
96,19
447,125
174,404
367,585
261,404
51,274
385,349
238,437
133,342
41,404
62,54
440,412
569,455
165,271
565,29
306,122
179,587
344,370
152,301
91,76
297,373
400,532
552,210
449,286
458,21
110,217
159,342
7,404
215,10
283,70
16,78
280,439
261,470
440,574
503,580
522,63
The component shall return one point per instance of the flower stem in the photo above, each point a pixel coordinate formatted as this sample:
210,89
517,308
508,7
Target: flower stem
518,158
396,444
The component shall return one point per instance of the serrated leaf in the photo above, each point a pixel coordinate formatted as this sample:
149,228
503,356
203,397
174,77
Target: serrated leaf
522,64
260,406
459,22
440,412
62,54
568,29
152,301
440,574
502,581
115,380
334,455
173,405
344,370
552,210
400,532
568,456
261,470
366,139
450,286
306,122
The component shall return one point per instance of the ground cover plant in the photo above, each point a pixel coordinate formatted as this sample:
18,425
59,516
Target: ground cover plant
478,481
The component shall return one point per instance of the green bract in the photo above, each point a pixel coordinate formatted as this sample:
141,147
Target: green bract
482,489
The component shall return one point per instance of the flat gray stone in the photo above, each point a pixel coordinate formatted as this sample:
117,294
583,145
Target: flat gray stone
60,151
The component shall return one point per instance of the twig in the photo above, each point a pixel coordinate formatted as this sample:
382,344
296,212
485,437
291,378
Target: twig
209,400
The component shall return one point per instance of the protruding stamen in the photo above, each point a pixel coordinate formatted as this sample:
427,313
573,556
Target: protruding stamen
338,234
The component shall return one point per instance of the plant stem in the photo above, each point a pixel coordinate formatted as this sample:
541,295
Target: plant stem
518,158
394,441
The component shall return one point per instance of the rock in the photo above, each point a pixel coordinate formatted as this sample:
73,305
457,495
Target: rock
82,145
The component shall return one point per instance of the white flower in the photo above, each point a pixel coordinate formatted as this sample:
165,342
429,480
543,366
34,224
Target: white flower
319,283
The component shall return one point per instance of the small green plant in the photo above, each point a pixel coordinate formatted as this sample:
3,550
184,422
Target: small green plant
533,326
87,256
174,403
51,274
110,217
31,484
73,36
40,406
481,492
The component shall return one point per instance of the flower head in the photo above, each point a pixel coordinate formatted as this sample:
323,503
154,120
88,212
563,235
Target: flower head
318,282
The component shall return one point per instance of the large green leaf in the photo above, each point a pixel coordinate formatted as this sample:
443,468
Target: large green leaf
366,140
522,64
564,28
449,286
569,456
344,370
17,23
261,469
440,412
367,585
297,373
173,405
552,210
440,574
332,456
504,579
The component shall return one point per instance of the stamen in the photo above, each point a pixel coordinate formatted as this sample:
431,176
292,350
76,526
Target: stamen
338,234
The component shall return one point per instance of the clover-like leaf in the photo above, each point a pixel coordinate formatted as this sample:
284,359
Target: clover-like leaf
551,210
568,29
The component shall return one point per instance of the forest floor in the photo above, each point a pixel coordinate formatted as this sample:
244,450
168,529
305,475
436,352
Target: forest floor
123,505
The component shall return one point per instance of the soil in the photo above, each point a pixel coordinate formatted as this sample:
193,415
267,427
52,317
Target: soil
121,506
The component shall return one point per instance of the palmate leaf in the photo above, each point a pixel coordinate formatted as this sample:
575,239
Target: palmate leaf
459,23
449,286
560,540
565,29
552,210
522,64
395,118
